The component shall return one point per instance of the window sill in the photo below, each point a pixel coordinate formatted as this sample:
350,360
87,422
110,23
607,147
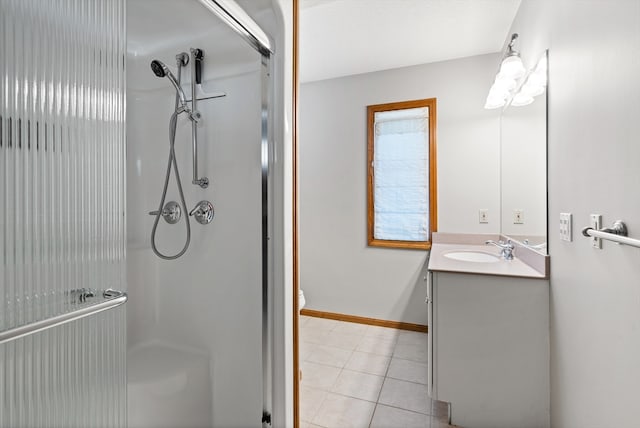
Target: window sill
407,245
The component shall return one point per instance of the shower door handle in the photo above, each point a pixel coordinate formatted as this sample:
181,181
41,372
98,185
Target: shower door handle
114,298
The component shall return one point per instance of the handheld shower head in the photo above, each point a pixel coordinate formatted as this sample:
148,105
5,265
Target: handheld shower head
161,70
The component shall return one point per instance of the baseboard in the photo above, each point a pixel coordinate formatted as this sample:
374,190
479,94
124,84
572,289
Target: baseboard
364,320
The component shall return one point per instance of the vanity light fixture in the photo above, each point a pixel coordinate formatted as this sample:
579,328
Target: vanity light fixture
511,69
533,86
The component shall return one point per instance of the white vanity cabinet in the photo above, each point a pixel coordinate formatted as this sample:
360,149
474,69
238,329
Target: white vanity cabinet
489,349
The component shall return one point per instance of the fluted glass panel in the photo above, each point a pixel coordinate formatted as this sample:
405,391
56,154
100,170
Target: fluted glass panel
62,210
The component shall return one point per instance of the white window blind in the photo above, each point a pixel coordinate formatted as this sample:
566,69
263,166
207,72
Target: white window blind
401,175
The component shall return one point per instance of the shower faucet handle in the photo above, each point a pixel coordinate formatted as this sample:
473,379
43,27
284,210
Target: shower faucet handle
203,212
171,212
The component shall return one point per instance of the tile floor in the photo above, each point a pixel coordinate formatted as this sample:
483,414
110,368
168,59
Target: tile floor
356,375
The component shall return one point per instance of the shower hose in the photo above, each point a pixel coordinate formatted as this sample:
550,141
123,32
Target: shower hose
173,122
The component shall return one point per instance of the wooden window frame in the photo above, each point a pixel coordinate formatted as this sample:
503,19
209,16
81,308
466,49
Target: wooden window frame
433,200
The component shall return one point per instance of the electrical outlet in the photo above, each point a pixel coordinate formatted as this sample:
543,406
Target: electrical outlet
483,216
595,221
518,216
566,227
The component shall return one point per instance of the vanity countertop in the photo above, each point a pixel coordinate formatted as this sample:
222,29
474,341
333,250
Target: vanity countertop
526,263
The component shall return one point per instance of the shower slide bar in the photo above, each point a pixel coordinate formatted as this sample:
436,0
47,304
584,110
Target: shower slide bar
197,56
113,298
616,233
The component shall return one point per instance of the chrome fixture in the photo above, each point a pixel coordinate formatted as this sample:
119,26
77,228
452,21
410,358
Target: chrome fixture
80,295
180,107
617,233
509,87
113,298
171,212
511,66
511,69
203,212
160,69
196,77
506,249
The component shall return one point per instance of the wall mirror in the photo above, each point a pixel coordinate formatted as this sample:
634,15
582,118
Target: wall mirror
523,160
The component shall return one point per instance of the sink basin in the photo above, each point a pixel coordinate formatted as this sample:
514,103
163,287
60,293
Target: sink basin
472,256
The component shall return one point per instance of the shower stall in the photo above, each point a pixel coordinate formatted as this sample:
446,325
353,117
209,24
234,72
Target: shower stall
142,200
195,323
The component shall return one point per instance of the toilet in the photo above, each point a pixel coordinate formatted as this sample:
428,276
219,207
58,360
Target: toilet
301,300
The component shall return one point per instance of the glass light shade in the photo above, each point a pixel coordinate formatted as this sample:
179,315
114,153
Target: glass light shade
493,103
505,83
499,92
521,100
531,90
537,78
512,67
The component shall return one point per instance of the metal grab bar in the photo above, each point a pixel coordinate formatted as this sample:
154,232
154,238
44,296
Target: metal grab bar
616,233
114,299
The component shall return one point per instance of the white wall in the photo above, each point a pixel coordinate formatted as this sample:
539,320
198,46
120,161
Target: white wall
338,272
594,106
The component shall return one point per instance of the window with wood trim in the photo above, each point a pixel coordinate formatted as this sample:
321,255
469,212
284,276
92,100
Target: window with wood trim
401,182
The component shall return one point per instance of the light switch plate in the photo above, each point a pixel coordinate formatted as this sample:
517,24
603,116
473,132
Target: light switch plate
595,221
566,227
483,215
518,216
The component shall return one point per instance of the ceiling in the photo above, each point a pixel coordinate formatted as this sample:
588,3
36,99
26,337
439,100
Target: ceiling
345,37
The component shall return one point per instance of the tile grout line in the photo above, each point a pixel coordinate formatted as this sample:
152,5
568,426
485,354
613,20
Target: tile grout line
385,376
383,379
330,389
386,373
406,410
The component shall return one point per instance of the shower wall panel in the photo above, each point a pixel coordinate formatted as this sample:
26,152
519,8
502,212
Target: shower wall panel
208,300
220,277
62,228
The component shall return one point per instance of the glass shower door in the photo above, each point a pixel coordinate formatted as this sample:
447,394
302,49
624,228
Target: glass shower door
62,204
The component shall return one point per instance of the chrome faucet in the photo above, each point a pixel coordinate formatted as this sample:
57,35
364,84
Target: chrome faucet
506,250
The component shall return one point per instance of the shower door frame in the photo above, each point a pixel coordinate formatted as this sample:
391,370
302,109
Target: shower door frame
251,32
267,150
